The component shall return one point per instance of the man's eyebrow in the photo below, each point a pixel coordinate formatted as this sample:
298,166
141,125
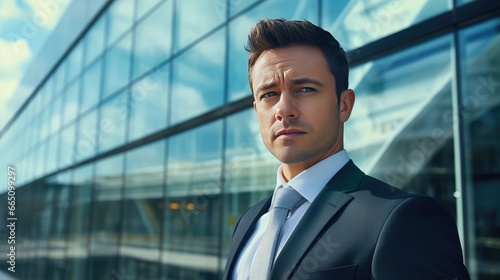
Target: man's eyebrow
266,86
304,80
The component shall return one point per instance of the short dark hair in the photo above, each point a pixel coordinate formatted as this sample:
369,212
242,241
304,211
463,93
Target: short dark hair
278,33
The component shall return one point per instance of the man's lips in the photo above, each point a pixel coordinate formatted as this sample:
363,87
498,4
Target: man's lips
288,133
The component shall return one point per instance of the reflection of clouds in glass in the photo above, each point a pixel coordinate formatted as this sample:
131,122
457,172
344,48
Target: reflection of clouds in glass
120,18
363,21
149,104
188,102
195,18
153,39
117,70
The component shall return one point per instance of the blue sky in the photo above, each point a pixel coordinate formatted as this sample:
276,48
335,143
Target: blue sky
24,27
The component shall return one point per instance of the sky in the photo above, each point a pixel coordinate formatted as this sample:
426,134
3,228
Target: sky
24,28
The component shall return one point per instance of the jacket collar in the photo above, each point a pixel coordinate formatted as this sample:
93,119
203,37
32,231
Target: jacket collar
330,200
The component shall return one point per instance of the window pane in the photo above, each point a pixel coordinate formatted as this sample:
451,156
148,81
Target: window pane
94,40
195,18
153,39
480,116
120,15
192,203
91,87
149,103
250,170
198,76
67,146
71,102
143,208
240,27
400,130
87,136
117,67
74,61
79,223
112,125
355,23
106,217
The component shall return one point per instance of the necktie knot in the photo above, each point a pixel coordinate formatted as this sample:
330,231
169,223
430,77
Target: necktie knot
287,198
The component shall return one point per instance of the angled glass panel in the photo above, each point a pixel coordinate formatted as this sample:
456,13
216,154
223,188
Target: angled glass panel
91,86
86,143
143,207
67,154
399,131
52,154
198,79
193,188
71,101
75,61
146,6
195,19
79,222
106,217
117,67
249,171
112,125
94,40
55,117
479,106
149,103
121,15
241,26
356,23
153,37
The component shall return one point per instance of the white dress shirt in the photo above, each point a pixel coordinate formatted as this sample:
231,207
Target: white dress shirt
308,183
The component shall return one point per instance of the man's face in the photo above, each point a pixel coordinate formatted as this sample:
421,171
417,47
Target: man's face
300,119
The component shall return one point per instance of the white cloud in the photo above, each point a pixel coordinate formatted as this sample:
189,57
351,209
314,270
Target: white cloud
14,56
9,10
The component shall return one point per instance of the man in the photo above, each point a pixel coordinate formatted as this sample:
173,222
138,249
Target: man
341,224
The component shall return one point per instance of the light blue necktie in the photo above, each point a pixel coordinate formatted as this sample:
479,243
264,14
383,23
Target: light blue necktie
285,200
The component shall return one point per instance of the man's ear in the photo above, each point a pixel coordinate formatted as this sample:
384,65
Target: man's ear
255,106
346,104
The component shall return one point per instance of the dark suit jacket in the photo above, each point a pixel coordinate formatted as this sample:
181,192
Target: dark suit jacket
361,228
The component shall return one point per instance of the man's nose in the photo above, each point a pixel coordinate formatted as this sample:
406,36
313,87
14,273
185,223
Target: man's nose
286,107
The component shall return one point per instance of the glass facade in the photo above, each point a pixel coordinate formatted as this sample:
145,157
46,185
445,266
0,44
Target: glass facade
139,149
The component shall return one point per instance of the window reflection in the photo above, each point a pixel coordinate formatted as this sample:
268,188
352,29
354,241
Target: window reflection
198,76
87,136
149,103
143,207
106,217
94,40
358,22
195,18
117,67
79,223
71,102
91,86
112,124
192,218
153,39
249,171
120,16
399,131
480,115
67,146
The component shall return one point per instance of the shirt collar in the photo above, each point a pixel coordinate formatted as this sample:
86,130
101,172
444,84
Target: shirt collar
312,180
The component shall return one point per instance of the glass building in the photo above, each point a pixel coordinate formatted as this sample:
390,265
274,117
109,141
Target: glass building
138,147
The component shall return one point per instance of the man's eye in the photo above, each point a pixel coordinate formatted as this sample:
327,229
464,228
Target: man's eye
306,89
269,94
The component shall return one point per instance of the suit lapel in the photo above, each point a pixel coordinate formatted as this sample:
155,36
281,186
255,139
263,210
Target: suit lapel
244,229
329,201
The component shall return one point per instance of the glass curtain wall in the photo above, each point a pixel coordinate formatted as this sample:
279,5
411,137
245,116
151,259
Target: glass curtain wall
140,149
